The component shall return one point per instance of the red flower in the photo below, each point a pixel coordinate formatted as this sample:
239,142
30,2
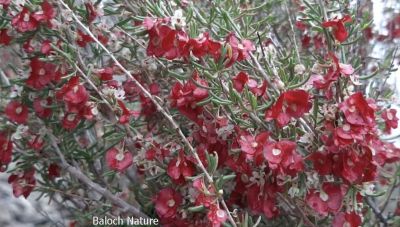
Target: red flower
348,134
53,171
180,167
263,201
147,106
156,151
322,163
301,25
23,183
91,12
24,21
167,202
283,158
5,3
126,113
294,103
16,112
6,147
70,121
47,14
186,96
41,107
355,166
253,146
118,160
83,39
242,79
350,219
42,73
328,200
385,152
165,41
203,45
105,74
358,111
339,30
238,51
36,143
239,81
5,39
216,216
74,95
391,120
46,47
305,41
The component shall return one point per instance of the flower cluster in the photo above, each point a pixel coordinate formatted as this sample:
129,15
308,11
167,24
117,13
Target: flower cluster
205,130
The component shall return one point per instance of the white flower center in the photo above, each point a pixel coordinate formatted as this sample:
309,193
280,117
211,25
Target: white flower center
244,178
18,110
26,17
120,157
350,163
171,203
276,152
75,89
220,213
42,72
346,127
323,196
43,103
71,117
389,116
254,144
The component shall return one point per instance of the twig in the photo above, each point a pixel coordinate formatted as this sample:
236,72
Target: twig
77,173
378,213
294,34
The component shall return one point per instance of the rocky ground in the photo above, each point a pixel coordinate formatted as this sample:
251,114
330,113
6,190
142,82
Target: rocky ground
21,212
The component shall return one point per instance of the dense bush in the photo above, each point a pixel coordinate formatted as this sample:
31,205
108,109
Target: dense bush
201,113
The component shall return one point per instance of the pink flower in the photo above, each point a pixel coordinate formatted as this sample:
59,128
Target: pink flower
391,120
290,104
239,51
283,158
167,202
358,111
42,73
47,14
348,219
216,216
339,30
322,162
253,146
118,160
41,107
180,167
23,183
24,21
5,39
327,200
16,112
186,96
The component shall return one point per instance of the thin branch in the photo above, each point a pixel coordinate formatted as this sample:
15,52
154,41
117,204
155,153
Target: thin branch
378,213
294,34
77,173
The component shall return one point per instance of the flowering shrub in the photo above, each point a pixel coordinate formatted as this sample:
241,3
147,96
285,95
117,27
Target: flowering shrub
201,113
